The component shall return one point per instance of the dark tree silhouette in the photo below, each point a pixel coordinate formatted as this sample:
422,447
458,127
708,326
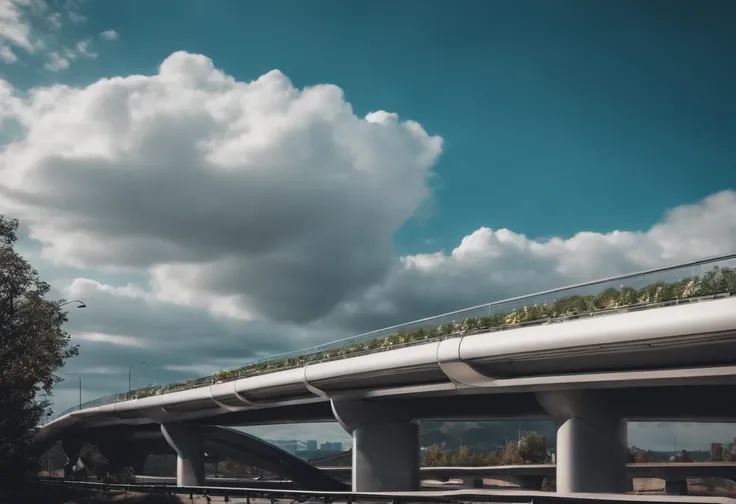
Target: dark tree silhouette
33,345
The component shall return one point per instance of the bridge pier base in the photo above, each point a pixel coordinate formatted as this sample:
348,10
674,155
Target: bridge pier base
71,448
675,487
189,447
385,447
591,443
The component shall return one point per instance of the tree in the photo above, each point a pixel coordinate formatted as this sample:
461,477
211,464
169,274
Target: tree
510,454
683,456
533,449
729,455
638,455
33,345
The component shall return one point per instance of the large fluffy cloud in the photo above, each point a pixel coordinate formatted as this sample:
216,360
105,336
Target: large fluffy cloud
255,199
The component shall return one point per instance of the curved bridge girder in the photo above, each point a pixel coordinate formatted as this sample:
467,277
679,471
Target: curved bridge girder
223,442
220,443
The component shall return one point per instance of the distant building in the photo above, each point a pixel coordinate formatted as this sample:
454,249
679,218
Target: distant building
289,445
716,451
312,445
331,446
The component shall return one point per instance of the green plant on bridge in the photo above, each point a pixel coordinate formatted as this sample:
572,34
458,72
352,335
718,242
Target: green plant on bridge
531,450
718,280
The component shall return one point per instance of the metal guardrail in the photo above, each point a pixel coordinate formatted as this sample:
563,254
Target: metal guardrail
434,496
635,280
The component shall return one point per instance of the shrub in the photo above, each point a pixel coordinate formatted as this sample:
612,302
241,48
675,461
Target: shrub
533,449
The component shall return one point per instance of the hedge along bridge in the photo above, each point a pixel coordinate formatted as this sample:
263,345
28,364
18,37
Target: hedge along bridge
692,281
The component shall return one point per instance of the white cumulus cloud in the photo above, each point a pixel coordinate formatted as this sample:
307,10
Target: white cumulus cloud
15,23
109,35
61,60
241,197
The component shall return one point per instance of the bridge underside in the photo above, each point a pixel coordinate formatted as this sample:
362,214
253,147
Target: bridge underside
697,403
133,445
589,422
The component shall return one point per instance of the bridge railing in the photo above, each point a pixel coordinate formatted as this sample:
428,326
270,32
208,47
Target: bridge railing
686,282
516,496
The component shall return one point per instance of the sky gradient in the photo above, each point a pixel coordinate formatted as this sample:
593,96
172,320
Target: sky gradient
243,178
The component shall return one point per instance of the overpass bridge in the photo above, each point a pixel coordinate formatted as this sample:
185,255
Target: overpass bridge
653,345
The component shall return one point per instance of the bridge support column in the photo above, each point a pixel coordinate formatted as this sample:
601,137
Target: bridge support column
675,487
189,447
385,447
591,442
71,447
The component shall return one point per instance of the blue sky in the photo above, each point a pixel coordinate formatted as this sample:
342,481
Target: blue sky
546,108
599,135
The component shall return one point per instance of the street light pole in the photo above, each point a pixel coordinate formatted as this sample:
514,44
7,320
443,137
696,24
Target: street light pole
130,368
80,388
80,304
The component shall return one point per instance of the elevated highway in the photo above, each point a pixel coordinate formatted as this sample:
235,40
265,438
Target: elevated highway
589,372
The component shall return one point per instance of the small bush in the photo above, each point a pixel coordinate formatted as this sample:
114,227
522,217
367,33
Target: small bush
126,476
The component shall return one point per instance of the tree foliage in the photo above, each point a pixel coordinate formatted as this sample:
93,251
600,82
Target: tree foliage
639,456
683,456
33,345
729,452
531,450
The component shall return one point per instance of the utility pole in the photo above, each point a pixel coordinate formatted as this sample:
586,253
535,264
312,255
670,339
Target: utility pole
130,369
80,387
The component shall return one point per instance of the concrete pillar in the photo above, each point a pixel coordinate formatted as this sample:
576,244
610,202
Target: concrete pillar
189,447
385,447
675,487
71,448
591,442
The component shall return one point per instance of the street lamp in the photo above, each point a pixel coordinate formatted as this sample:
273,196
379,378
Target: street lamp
129,370
80,388
80,304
